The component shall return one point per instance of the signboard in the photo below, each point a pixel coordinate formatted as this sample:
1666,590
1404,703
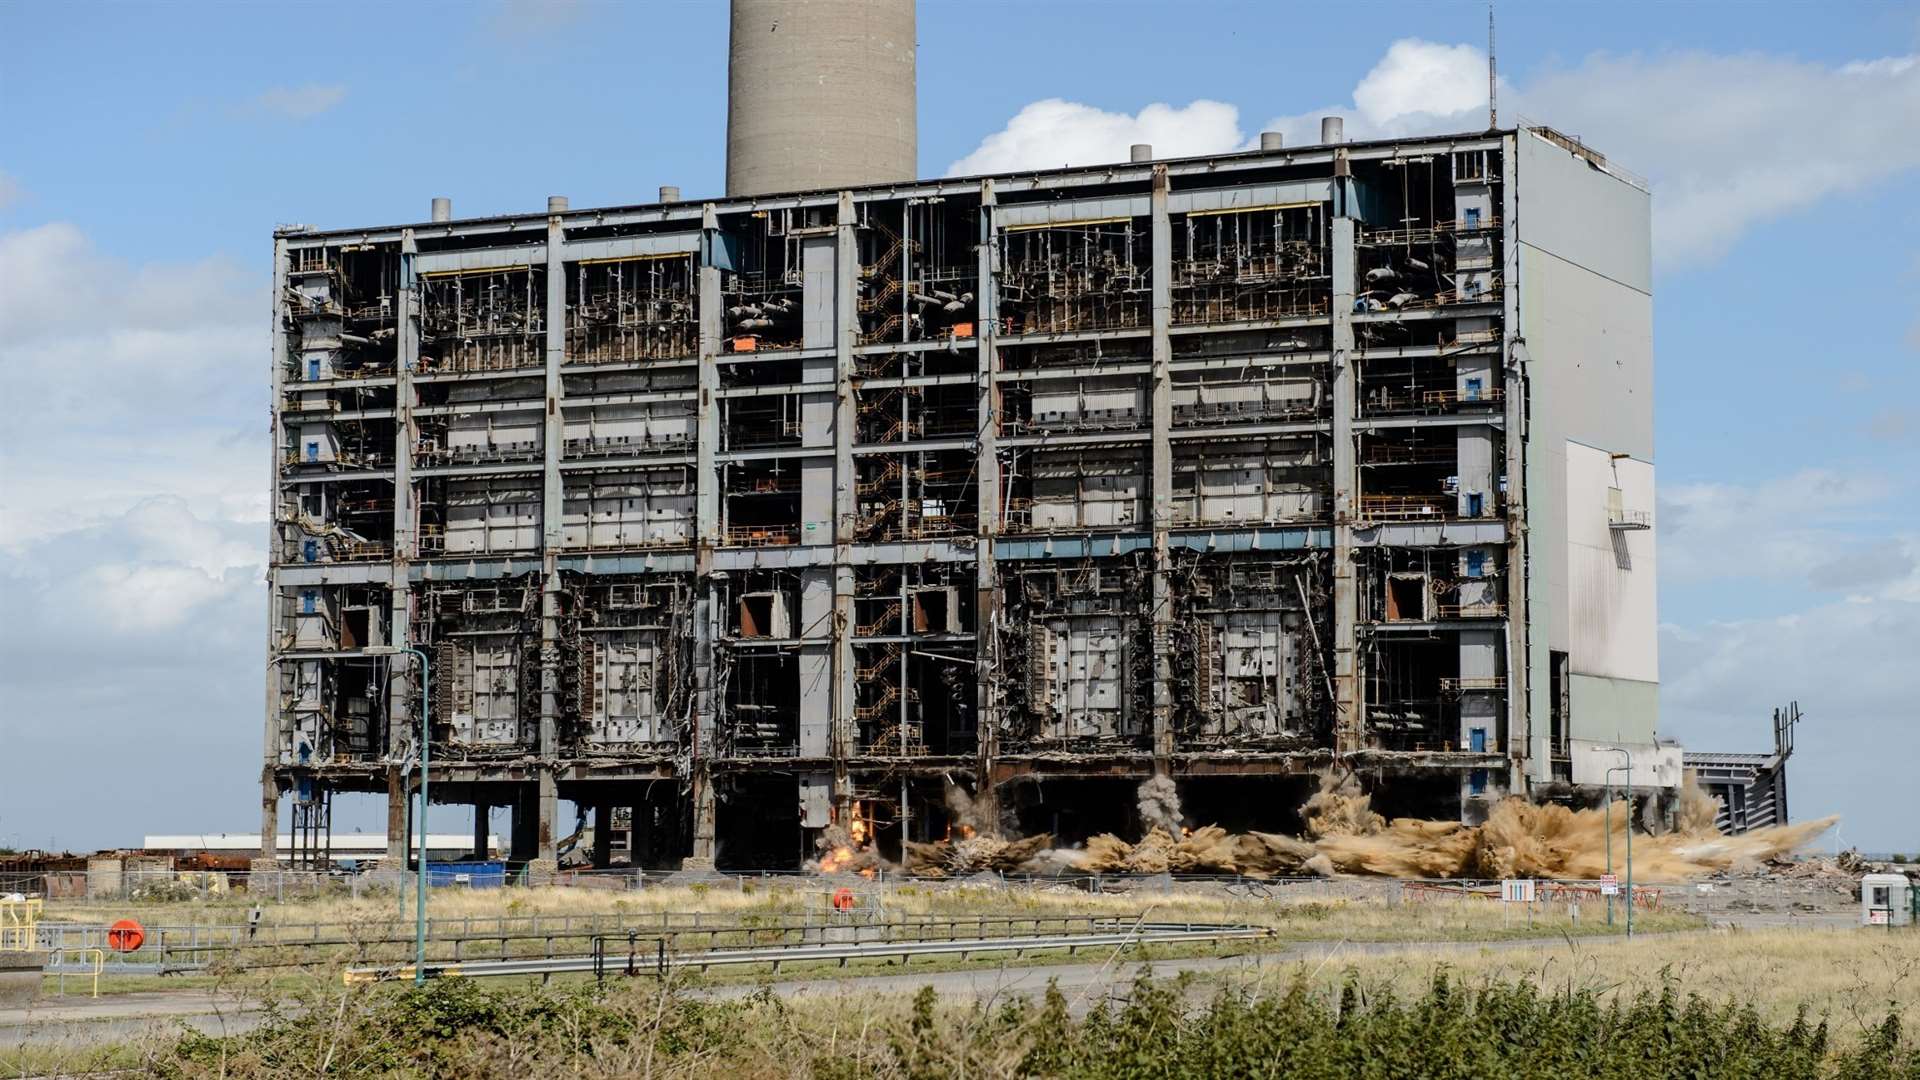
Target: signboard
1878,917
1517,890
1609,885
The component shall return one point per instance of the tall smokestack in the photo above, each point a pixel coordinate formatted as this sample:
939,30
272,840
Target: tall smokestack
820,94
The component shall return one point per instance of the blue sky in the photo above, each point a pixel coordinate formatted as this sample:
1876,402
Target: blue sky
147,151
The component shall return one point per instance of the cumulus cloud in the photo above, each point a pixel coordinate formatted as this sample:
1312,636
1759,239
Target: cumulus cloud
1728,141
133,466
126,381
1844,651
1054,133
299,102
1765,531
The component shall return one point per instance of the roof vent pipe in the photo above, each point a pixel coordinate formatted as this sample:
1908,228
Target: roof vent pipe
1272,140
556,204
443,209
669,193
1142,151
1332,130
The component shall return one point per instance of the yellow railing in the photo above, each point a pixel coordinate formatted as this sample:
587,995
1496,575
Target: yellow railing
19,924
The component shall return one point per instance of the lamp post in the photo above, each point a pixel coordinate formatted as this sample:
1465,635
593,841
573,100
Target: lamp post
1628,769
420,859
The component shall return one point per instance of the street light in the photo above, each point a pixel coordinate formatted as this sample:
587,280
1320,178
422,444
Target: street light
1628,769
420,879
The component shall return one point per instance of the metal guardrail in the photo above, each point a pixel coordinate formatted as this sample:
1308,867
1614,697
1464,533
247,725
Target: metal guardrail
665,960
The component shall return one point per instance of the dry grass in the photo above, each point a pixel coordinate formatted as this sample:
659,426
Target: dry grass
1853,976
1360,910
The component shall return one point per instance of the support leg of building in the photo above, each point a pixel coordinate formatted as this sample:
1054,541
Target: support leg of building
703,831
399,795
269,857
524,844
1348,721
602,835
481,832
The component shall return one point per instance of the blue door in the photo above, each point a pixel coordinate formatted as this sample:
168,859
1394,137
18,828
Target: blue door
1473,217
1473,504
313,451
313,370
1478,740
309,601
1476,564
1473,390
310,550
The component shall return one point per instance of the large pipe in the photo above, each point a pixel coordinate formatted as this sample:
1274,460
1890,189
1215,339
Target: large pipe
1140,152
669,193
1332,130
442,209
1272,140
820,94
556,204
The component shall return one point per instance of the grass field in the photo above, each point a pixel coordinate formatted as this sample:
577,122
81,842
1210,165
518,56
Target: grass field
1580,1007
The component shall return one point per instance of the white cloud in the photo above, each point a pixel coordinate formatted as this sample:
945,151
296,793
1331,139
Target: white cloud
133,480
1769,532
126,382
1729,141
299,102
1052,133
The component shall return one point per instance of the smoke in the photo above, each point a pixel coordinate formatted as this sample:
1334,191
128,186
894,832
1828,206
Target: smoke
970,816
1159,803
1344,835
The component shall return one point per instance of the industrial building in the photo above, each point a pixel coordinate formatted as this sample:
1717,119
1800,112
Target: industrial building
816,502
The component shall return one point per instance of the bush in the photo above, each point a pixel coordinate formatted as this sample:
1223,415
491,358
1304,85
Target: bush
457,1028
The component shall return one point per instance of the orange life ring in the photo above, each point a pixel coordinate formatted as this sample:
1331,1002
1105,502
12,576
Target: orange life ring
843,899
125,936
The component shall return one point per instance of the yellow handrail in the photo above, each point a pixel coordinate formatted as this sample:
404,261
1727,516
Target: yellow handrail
19,924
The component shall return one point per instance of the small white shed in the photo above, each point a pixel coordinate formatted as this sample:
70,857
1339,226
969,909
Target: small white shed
1885,900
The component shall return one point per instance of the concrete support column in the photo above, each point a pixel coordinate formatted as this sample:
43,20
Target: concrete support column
1527,747
523,844
1349,721
552,533
1161,475
546,809
846,334
986,582
482,832
704,847
706,696
273,710
398,791
269,855
602,834
403,688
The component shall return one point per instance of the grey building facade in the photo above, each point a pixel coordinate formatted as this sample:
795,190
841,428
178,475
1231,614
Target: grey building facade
774,512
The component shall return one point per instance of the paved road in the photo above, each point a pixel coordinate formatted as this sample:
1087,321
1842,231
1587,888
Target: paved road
118,1017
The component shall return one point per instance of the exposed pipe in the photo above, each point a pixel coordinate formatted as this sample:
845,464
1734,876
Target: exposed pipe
1141,151
442,208
669,193
1272,140
1332,129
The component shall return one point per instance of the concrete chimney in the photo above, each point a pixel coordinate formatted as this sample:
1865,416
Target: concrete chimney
820,94
1332,130
1141,152
1272,140
669,193
442,209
